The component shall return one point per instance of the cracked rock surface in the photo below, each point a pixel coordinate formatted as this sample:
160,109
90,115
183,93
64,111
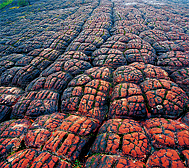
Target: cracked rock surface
94,84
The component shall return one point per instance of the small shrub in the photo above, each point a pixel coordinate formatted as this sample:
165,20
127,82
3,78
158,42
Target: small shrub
23,3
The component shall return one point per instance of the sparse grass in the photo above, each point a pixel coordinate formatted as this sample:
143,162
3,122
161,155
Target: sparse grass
5,3
77,164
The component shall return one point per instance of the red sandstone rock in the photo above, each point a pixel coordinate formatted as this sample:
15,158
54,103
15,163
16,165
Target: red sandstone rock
164,158
165,133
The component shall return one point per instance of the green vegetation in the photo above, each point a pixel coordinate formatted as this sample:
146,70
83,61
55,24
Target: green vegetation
23,3
5,3
20,3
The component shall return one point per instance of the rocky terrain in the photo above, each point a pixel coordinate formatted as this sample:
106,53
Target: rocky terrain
94,84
